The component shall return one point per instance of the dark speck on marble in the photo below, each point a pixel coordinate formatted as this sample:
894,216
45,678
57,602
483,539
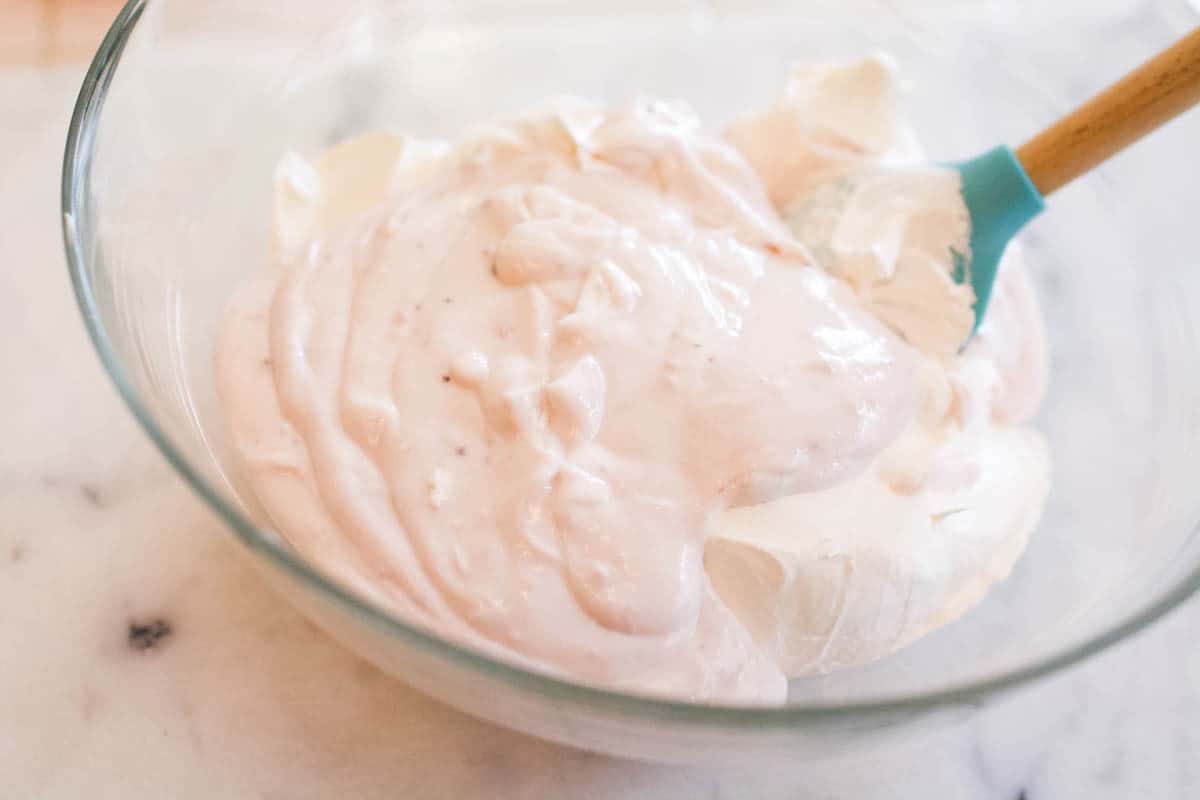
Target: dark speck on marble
91,494
17,553
148,636
1022,796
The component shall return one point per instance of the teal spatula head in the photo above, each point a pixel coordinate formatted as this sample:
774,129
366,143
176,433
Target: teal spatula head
1000,198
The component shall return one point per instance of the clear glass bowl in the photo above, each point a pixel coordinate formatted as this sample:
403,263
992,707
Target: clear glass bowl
166,197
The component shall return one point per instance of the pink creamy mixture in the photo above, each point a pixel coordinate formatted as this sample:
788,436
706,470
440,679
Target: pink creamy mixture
512,388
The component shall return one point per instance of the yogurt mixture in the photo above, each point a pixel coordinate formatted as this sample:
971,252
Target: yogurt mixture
622,400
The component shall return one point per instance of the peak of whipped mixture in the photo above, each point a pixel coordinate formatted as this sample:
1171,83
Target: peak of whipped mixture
599,392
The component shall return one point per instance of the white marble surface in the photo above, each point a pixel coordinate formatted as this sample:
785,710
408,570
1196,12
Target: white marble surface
140,656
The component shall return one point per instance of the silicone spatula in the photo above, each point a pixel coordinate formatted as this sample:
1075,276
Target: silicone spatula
1004,189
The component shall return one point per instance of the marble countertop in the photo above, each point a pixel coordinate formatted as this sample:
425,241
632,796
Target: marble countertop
141,656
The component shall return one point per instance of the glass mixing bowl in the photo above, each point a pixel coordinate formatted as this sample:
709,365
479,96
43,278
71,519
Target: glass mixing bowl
166,200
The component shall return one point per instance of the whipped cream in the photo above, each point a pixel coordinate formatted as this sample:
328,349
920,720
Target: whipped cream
577,391
851,185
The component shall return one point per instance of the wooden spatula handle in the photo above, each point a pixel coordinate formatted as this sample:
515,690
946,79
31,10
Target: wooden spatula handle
1152,94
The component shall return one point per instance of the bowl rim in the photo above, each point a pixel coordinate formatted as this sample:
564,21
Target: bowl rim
75,209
